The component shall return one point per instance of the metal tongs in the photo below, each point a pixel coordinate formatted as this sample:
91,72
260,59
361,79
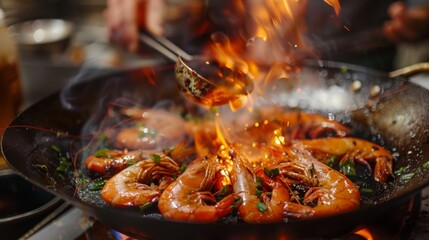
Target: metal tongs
198,76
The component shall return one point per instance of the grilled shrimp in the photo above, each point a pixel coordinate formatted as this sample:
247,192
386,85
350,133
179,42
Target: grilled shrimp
273,125
352,149
140,183
190,197
153,129
334,193
254,208
112,161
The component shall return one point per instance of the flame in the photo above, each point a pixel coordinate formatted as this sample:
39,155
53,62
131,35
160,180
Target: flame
335,4
275,32
365,233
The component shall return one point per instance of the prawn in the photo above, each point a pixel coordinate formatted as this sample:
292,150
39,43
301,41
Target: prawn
273,123
334,193
188,198
352,149
153,129
113,161
254,208
140,183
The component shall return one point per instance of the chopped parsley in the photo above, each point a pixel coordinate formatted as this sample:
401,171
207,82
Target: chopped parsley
156,158
261,207
348,168
272,172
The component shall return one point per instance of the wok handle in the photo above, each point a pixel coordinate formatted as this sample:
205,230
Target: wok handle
410,70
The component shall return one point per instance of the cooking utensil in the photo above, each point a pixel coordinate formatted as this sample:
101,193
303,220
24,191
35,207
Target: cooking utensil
396,117
202,79
22,205
42,35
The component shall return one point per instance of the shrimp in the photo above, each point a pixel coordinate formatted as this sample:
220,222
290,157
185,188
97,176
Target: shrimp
254,209
140,183
334,193
187,198
352,149
112,161
106,161
153,129
301,125
272,124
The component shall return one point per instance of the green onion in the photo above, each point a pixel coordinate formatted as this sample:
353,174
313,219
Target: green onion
331,161
130,163
348,168
344,69
425,164
406,177
400,171
56,149
225,190
259,192
183,167
97,185
261,207
156,158
146,206
102,153
366,190
272,172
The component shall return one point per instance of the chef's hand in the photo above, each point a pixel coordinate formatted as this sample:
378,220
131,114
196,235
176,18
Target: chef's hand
407,24
124,18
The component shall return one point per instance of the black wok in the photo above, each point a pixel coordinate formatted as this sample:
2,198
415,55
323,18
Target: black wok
395,116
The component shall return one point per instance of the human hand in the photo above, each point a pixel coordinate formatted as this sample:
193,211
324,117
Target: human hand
406,24
124,19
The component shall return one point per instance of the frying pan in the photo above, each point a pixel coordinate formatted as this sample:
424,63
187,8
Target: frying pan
395,116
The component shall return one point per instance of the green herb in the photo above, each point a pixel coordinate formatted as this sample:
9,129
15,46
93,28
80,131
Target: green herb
261,207
259,192
146,206
97,185
183,167
366,190
425,164
102,153
406,177
156,158
225,190
348,168
130,163
272,172
331,161
400,171
63,167
344,69
82,180
56,149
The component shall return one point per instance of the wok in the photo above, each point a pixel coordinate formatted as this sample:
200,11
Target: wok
395,117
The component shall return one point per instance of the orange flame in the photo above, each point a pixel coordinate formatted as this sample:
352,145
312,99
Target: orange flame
277,29
365,233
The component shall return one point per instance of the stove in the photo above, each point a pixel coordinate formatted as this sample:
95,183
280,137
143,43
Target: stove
408,221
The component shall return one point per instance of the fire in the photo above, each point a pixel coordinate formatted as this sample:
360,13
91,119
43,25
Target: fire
275,32
365,233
